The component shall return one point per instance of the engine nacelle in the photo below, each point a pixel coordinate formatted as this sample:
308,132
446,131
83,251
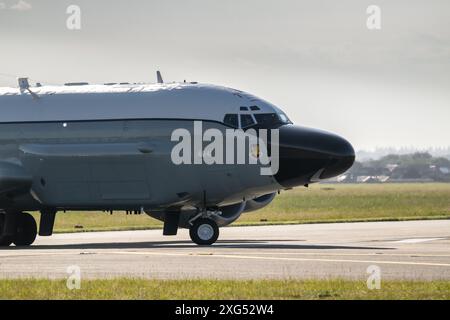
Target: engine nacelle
229,214
260,202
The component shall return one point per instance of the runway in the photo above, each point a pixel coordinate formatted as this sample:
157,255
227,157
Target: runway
402,250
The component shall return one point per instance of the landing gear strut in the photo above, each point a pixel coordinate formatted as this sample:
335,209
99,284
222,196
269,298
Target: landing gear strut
24,230
204,231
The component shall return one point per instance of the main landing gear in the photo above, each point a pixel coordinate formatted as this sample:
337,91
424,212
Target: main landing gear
18,228
204,231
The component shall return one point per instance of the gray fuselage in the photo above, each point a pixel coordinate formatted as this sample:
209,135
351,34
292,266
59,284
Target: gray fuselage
109,148
120,165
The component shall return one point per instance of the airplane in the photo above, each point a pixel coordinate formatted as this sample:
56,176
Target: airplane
82,147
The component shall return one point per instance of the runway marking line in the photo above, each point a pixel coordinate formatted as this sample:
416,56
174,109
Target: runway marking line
412,255
30,253
283,258
417,240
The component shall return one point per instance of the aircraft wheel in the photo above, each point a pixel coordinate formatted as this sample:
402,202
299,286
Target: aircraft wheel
204,232
5,241
26,230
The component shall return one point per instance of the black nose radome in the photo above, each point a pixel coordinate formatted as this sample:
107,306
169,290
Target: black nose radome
309,155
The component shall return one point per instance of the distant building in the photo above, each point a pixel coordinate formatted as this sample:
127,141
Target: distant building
444,170
418,180
372,179
345,178
366,179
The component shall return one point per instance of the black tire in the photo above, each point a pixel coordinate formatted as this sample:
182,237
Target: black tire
26,230
5,241
204,232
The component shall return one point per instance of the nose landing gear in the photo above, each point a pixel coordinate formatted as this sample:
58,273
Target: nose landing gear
204,231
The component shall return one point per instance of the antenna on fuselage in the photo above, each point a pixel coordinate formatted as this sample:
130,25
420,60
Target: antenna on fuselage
25,85
159,77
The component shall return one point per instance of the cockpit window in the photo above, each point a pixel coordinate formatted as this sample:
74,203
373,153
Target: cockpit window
267,120
254,108
271,119
246,121
243,108
284,118
231,120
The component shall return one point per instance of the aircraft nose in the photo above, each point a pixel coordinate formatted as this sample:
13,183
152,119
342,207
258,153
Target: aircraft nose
309,155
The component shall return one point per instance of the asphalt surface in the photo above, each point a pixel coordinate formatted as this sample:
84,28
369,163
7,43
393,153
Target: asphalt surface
402,250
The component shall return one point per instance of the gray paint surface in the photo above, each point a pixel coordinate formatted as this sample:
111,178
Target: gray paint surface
104,102
109,147
102,165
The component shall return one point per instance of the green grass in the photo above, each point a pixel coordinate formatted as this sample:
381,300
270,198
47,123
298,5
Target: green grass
319,203
358,202
222,289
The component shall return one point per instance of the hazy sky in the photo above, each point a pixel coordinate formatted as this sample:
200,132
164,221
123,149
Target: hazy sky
315,59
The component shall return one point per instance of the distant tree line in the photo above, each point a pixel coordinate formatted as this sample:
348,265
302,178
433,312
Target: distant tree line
419,165
364,155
